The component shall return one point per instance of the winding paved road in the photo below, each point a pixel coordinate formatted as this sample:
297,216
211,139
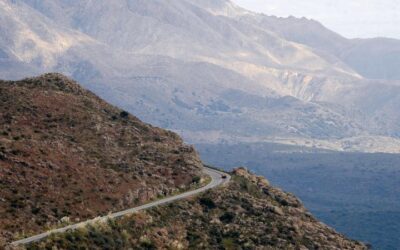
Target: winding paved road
216,180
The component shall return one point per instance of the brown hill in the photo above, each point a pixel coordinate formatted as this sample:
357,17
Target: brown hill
64,152
247,214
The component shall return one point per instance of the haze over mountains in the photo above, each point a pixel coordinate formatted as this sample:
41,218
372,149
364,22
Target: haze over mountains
211,67
230,80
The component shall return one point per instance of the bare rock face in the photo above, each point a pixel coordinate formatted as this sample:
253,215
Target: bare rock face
64,152
246,214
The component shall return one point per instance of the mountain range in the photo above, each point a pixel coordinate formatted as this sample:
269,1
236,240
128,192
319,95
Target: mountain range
273,93
211,67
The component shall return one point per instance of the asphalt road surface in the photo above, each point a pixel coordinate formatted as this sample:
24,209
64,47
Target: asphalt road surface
216,180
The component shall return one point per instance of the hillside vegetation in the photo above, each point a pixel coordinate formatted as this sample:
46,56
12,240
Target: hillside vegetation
356,193
67,155
246,214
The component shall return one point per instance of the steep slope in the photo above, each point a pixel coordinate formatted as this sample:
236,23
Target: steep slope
32,38
66,153
247,214
176,28
356,193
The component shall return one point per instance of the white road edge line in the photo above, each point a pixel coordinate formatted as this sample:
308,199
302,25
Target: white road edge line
217,178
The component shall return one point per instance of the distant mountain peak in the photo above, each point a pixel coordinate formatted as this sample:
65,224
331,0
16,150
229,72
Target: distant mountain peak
220,7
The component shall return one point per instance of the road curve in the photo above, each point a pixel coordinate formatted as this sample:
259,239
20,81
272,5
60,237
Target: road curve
216,180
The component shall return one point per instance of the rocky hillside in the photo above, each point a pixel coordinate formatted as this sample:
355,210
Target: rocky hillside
246,214
64,152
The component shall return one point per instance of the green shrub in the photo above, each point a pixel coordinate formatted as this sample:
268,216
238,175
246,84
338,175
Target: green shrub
35,210
124,114
207,202
227,217
196,179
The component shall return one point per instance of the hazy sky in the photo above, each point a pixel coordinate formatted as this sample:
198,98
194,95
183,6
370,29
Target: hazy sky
351,18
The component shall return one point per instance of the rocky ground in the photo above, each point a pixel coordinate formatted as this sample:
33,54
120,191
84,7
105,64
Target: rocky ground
246,214
66,155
